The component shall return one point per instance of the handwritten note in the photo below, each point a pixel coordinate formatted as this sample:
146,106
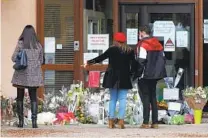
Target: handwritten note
171,94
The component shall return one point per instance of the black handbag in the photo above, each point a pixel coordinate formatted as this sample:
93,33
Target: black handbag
21,61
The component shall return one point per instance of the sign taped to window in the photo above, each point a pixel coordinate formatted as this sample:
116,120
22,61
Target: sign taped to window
165,29
98,42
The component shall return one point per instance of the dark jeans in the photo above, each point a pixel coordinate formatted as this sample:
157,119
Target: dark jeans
148,96
32,94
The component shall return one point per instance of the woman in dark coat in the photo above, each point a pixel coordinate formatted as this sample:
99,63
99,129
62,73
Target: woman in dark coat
117,77
31,77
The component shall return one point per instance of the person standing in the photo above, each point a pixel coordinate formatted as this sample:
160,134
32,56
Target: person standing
31,77
151,68
117,76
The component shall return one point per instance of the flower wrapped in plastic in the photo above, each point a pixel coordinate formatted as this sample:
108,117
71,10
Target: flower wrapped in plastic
53,101
46,118
7,111
65,118
196,97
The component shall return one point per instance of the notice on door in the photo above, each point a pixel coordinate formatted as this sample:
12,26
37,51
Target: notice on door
165,29
50,43
132,36
182,38
206,31
98,42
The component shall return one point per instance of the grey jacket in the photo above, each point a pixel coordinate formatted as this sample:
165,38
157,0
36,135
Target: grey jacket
32,75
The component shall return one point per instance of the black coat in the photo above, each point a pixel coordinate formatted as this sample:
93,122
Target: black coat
118,73
153,65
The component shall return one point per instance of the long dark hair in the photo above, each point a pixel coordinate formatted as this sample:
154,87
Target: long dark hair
29,38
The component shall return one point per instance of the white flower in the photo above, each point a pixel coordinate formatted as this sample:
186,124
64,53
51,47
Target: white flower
53,99
77,85
199,88
203,96
198,92
57,98
51,105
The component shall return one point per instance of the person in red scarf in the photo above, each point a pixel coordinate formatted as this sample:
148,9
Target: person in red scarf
117,76
151,68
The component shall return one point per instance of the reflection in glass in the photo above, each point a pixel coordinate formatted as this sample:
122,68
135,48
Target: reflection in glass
132,20
181,58
98,20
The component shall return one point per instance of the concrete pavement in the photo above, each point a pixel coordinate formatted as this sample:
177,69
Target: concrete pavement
100,131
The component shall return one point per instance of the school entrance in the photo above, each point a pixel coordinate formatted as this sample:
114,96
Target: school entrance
173,25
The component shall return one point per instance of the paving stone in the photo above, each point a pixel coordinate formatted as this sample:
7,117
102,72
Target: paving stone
101,131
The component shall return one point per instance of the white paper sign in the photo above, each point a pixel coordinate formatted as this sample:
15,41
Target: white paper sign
174,106
165,29
182,38
132,36
98,42
101,118
105,61
89,56
170,94
59,46
206,31
50,45
50,58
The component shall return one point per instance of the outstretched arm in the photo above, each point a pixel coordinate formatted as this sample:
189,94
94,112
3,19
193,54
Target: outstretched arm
100,58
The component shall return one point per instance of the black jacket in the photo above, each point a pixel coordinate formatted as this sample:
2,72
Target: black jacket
151,59
118,73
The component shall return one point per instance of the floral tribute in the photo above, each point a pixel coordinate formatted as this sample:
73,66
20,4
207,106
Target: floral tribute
196,97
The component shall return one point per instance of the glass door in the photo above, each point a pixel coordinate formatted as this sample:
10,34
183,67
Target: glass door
182,18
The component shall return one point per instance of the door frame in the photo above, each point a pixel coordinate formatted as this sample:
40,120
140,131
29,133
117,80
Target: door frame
78,36
198,21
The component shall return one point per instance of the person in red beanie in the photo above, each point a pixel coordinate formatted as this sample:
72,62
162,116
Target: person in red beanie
117,76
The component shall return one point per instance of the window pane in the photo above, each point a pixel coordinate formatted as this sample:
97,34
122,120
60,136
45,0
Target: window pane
59,31
181,57
98,21
54,80
132,20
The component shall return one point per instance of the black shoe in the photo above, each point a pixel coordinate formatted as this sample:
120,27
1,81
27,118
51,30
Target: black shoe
34,110
20,113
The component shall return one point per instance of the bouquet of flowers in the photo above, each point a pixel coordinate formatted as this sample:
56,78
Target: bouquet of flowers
196,97
54,102
7,110
82,115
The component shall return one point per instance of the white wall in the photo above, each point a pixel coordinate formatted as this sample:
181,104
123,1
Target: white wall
15,14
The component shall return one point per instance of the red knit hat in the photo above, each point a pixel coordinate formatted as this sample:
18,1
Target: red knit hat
120,37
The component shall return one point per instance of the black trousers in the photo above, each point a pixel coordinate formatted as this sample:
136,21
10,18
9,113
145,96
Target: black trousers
32,94
148,96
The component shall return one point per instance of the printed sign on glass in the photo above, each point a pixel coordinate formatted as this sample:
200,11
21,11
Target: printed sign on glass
98,42
132,36
165,29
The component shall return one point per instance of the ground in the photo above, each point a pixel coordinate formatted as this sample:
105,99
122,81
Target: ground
98,131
